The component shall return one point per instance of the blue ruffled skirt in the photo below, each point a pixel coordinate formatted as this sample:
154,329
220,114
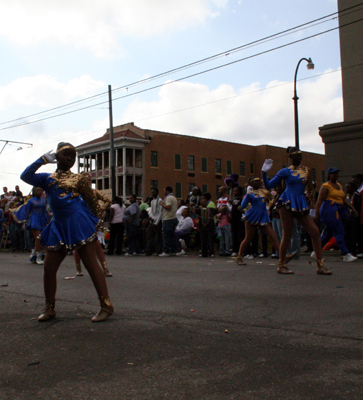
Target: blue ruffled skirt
257,216
72,232
295,203
37,222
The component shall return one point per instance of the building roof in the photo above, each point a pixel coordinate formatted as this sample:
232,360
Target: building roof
116,135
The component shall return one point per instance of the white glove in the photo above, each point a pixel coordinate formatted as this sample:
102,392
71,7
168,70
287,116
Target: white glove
267,165
50,157
249,189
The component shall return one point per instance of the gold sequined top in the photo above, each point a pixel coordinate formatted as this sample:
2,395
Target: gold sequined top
75,185
264,194
305,175
106,204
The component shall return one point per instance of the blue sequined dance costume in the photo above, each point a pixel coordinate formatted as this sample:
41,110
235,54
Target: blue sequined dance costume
74,221
257,214
35,212
297,179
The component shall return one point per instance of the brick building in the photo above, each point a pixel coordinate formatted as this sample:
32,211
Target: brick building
146,158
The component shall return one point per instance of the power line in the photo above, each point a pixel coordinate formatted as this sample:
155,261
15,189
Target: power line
224,53
174,81
184,67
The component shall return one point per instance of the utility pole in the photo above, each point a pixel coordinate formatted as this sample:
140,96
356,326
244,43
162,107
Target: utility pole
112,147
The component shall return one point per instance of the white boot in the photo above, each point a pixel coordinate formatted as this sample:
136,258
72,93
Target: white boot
32,257
39,258
349,258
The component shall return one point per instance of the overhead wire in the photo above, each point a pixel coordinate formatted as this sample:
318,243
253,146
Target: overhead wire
224,53
174,81
228,52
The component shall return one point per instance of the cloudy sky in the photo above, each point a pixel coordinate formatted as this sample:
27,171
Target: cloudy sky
59,57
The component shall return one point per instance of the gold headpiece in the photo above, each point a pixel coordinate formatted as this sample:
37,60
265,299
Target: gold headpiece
66,147
295,152
255,179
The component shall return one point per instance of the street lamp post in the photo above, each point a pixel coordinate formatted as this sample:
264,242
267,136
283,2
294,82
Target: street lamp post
310,65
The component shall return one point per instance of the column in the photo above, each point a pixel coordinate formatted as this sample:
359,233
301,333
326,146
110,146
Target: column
124,173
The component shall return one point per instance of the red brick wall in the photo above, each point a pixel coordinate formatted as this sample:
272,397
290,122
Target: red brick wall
167,145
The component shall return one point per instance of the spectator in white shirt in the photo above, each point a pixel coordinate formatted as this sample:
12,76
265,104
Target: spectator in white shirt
154,230
183,228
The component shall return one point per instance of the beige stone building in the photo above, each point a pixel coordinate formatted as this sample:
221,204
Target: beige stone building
344,140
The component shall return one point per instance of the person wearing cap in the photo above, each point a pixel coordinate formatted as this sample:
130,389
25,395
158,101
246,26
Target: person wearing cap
330,208
231,183
292,204
257,217
76,216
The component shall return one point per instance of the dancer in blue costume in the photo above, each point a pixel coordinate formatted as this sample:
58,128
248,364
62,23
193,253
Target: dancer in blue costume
35,213
100,232
292,204
257,217
73,225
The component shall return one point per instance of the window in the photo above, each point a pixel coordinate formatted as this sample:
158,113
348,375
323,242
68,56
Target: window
190,187
154,184
217,192
252,168
107,183
129,156
242,168
323,176
178,191
204,188
138,158
119,157
99,161
313,172
154,158
191,163
106,159
218,165
229,167
204,164
177,164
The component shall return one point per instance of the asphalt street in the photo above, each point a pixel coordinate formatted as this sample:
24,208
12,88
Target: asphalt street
184,328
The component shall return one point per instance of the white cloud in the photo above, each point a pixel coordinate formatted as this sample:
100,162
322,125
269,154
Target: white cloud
251,115
97,25
46,91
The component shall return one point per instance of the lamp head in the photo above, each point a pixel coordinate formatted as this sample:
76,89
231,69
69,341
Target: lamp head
310,64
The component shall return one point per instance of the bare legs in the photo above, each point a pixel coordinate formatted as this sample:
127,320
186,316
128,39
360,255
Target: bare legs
52,262
250,232
89,258
100,255
77,260
37,243
308,224
287,219
87,254
267,229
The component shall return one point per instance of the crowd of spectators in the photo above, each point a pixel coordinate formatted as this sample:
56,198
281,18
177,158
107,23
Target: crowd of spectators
13,234
163,226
